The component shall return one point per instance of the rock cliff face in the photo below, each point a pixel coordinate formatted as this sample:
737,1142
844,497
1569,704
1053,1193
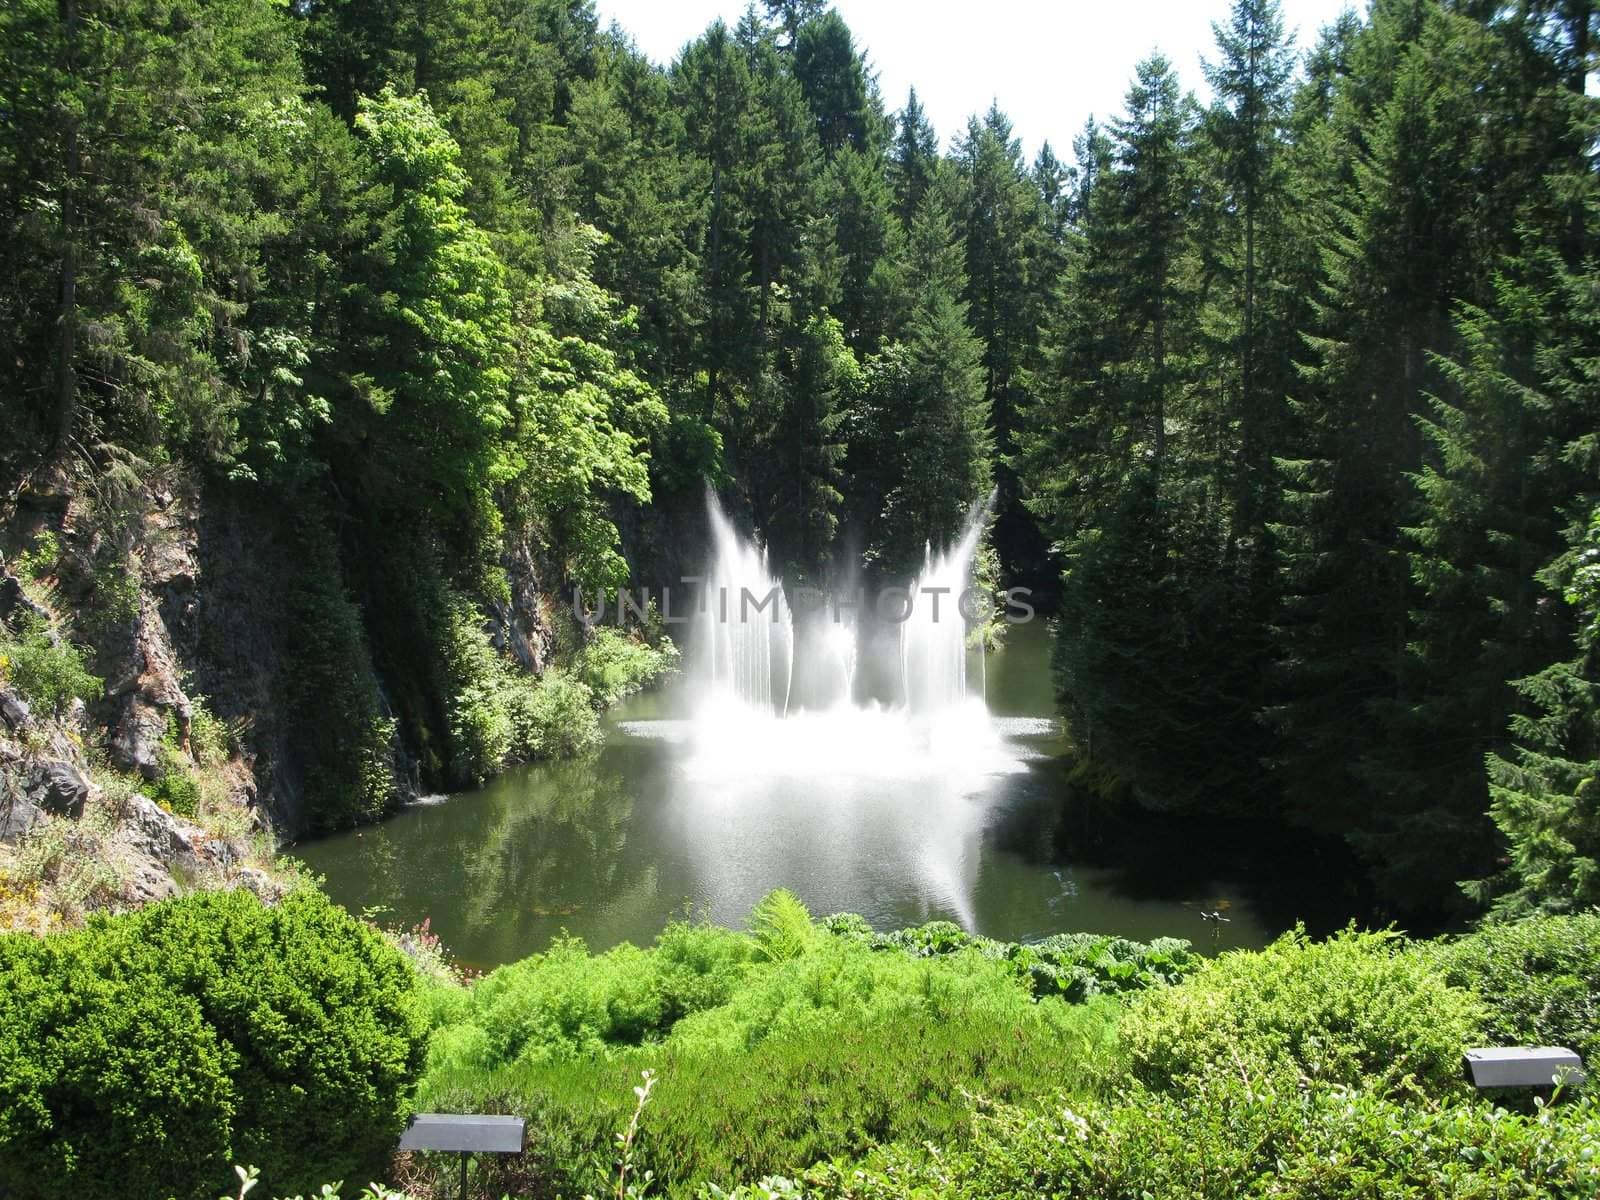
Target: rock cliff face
76,833
178,612
524,628
70,844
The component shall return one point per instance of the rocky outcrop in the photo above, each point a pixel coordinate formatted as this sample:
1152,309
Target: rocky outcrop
15,715
524,628
17,816
144,689
13,598
57,787
161,853
180,595
129,848
147,695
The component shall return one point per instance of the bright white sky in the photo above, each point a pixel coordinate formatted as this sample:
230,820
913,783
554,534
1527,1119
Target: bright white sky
1050,63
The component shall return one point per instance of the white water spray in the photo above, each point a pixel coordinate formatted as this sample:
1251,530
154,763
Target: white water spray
933,638
752,654
777,722
746,642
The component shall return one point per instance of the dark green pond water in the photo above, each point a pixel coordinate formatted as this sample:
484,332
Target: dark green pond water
854,813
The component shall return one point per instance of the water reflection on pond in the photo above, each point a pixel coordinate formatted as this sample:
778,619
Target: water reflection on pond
900,824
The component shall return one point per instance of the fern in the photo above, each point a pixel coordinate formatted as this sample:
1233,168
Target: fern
782,926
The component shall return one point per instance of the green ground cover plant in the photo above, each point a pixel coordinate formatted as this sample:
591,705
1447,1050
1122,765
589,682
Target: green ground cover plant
799,1041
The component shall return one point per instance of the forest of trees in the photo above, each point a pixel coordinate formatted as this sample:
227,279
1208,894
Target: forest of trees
1289,398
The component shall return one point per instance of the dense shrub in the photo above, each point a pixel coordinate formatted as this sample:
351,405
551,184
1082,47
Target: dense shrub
1539,980
110,1084
49,674
499,714
1225,1140
1359,1009
772,1049
145,1053
566,1004
613,665
479,726
551,717
176,789
797,1041
1078,965
787,1102
840,1091
841,984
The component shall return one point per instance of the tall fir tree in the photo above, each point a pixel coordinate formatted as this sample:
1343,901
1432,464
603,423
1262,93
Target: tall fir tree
913,159
1405,257
1005,231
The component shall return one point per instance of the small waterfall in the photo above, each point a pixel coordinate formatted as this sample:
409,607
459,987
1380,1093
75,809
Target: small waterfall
983,672
747,635
933,638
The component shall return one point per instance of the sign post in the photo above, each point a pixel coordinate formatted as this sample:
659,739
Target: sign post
464,1134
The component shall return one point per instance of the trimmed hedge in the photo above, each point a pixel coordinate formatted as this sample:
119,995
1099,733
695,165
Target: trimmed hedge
145,1054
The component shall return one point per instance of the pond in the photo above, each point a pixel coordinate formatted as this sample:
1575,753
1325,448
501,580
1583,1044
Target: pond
858,813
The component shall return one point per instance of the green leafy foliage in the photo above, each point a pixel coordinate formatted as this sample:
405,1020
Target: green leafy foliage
250,1176
1358,1010
842,983
431,322
613,665
46,670
499,714
554,717
582,418
1539,980
1078,965
1288,394
111,1081
479,726
1071,966
1235,1139
1545,795
40,558
789,1100
782,927
764,1062
147,1052
176,789
342,733
566,1004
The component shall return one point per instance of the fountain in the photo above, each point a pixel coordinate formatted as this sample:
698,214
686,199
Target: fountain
754,653
825,662
933,638
857,761
746,644
779,738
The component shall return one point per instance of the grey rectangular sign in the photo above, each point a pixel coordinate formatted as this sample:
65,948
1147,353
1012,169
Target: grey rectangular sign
1522,1066
466,1133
